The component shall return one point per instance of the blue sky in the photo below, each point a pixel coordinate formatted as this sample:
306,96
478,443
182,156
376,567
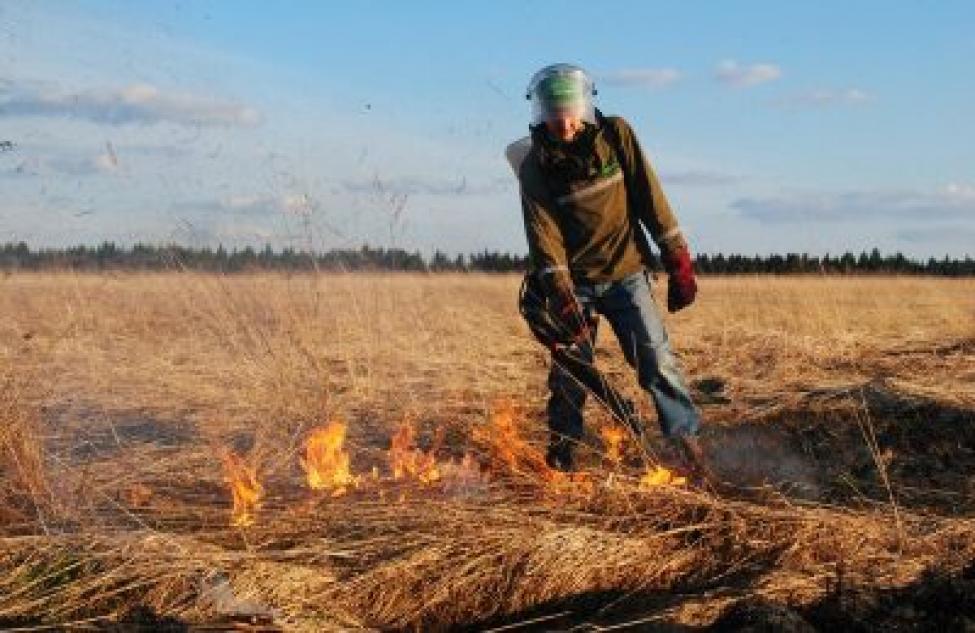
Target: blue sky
774,126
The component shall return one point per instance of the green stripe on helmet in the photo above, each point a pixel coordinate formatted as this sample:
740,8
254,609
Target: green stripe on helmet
560,90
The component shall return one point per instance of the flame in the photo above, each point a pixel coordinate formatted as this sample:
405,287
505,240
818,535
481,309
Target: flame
573,483
509,451
138,495
659,476
466,470
464,478
326,462
407,461
245,488
613,439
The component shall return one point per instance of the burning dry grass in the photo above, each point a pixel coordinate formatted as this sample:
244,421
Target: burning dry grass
245,489
326,461
365,451
407,461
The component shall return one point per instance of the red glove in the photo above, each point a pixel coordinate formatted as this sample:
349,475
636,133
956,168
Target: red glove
682,287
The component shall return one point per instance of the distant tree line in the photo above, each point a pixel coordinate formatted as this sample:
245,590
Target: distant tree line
109,256
847,263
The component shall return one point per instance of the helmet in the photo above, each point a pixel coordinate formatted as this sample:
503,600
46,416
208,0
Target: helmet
561,88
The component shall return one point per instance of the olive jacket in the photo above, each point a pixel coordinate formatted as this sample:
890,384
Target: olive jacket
585,208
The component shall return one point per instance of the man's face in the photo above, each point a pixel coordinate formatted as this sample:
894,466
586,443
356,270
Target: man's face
564,125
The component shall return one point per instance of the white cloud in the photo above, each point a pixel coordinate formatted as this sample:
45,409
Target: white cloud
256,204
63,165
732,73
253,233
642,77
699,178
940,236
244,203
106,162
826,97
430,186
960,191
954,201
297,204
135,103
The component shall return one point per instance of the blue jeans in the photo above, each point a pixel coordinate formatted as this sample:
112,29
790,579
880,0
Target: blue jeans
632,312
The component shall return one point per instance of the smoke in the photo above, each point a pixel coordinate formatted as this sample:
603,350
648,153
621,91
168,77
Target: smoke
749,455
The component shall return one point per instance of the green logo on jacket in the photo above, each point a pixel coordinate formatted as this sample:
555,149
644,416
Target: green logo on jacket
609,169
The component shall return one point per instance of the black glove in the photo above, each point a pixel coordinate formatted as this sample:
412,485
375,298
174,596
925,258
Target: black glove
568,314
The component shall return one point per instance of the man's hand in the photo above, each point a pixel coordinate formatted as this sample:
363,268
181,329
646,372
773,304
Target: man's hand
568,314
682,287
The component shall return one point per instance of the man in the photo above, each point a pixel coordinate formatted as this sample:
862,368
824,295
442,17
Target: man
587,193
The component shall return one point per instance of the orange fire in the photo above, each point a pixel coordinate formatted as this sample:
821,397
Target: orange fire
509,451
326,462
245,488
613,439
463,477
138,495
659,476
408,461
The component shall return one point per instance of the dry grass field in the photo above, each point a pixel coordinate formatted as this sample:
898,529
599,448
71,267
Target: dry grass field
160,435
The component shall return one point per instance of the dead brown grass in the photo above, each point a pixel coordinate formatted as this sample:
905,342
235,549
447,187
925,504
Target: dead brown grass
121,392
27,500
